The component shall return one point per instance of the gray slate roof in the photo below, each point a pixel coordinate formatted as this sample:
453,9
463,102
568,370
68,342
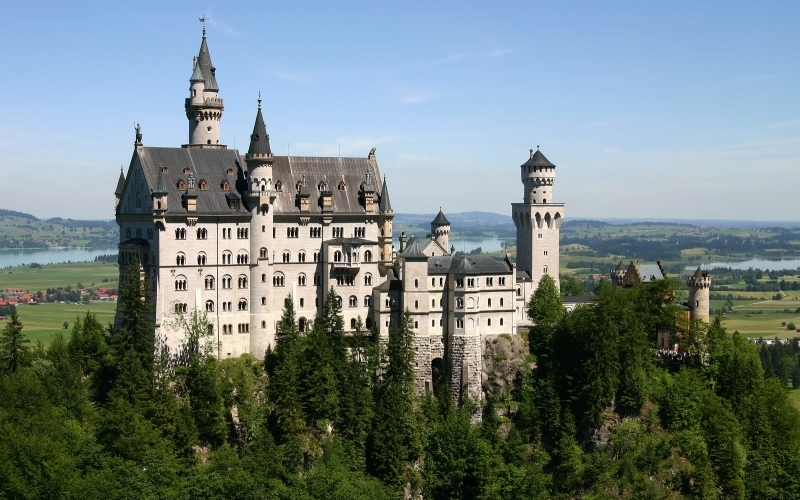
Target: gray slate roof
412,252
537,159
649,272
120,184
440,219
385,205
209,165
259,139
289,171
207,69
469,265
197,74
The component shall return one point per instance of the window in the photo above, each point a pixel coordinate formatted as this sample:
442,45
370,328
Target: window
203,185
202,234
149,234
292,232
459,323
301,279
367,301
368,279
244,327
262,253
181,284
242,258
459,303
341,186
180,260
138,232
263,278
433,281
544,270
242,233
433,322
353,301
274,232
416,304
337,256
201,259
489,322
180,234
316,256
226,282
368,256
416,324
489,281
225,186
353,323
301,257
501,321
501,302
433,302
226,257
242,305
315,232
209,282
416,283
263,301
181,185
278,280
489,303
286,256
502,281
181,308
471,282
545,252
210,306
302,302
519,292
359,232
460,283
316,279
242,281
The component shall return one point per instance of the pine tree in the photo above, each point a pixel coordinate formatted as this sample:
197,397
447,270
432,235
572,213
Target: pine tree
545,310
319,382
13,344
393,439
356,401
284,390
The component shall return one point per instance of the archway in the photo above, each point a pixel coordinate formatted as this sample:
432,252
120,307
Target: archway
438,376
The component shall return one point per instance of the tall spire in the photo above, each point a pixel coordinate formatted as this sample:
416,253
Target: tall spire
206,68
384,205
259,139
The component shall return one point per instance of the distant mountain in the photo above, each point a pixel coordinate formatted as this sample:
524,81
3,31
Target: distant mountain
12,213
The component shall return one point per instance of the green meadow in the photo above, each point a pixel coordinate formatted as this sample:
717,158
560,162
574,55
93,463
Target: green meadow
33,279
42,321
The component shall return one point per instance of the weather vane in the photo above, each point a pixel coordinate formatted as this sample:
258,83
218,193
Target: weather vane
203,20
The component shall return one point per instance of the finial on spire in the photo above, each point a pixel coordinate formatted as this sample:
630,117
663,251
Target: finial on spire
259,99
203,20
537,147
138,135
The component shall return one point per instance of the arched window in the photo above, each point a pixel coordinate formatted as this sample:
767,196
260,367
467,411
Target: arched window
209,281
226,257
368,256
225,186
242,281
489,322
278,280
519,292
263,301
337,256
301,279
210,306
367,300
241,258
226,282
301,257
302,302
262,253
302,324
501,301
339,301
353,323
368,279
416,283
544,270
286,256
316,256
181,284
180,259
353,301
501,321
242,304
459,303
201,259
416,324
416,304
489,303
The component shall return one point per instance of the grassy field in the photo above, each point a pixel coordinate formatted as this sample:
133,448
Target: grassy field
43,321
89,274
61,233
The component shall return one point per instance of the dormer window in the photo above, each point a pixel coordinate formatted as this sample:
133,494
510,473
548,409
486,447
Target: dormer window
186,171
181,185
322,186
226,186
278,186
229,171
341,186
203,185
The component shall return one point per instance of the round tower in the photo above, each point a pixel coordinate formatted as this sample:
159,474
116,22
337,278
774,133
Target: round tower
699,290
260,196
538,176
440,230
618,274
204,106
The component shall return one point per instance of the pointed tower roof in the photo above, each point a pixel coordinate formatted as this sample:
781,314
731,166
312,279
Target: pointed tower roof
440,219
197,74
161,186
384,205
206,68
699,273
259,139
620,266
537,159
413,252
120,183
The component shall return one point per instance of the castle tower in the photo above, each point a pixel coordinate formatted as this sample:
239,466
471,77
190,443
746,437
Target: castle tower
440,230
538,220
385,218
260,197
415,300
203,106
699,287
120,188
618,274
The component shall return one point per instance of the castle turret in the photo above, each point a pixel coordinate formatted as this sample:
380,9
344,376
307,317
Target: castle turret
260,196
699,293
203,106
538,220
385,218
440,230
618,274
120,188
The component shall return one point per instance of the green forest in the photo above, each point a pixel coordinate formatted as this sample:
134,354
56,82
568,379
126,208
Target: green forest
596,412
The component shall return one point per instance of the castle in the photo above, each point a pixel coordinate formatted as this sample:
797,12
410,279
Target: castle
233,235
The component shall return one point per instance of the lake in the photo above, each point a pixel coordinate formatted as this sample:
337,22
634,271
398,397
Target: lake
763,264
21,256
463,245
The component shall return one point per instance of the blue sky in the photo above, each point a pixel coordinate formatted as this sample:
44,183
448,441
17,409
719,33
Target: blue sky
648,109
